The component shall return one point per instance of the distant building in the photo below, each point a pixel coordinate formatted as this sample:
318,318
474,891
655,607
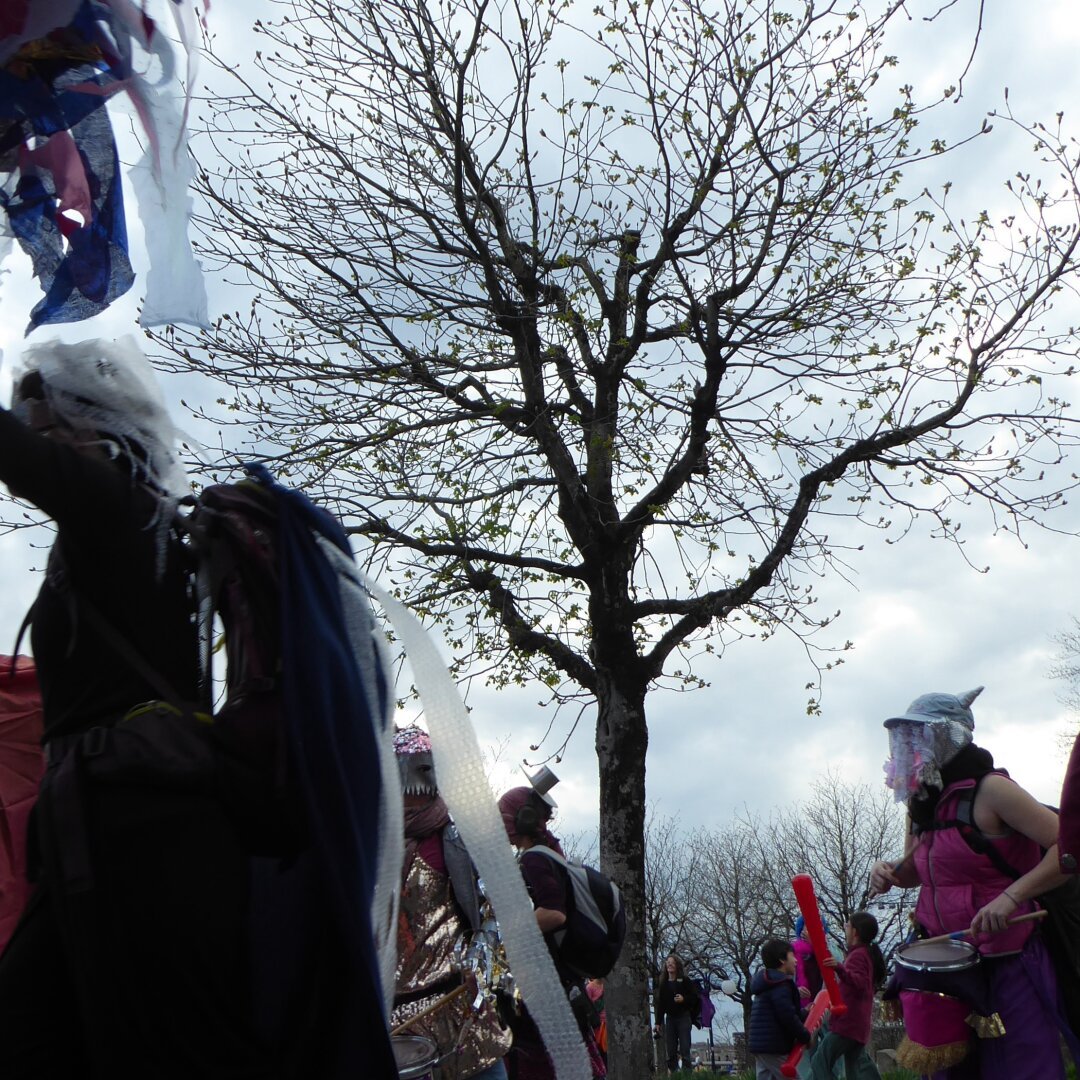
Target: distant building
722,1057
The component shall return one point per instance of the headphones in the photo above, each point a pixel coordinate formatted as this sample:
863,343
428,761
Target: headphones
529,821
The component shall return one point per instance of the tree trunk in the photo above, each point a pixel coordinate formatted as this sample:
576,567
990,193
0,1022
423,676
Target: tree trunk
621,741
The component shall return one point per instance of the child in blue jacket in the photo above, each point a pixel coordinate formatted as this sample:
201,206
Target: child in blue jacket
775,1017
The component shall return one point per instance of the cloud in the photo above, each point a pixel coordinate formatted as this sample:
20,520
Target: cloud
920,618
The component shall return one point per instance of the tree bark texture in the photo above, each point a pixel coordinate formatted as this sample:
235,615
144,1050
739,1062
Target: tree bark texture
622,739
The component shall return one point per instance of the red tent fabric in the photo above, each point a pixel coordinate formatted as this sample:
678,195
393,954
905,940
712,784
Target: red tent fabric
21,766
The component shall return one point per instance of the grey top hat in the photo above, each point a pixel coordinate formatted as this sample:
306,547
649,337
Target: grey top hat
542,781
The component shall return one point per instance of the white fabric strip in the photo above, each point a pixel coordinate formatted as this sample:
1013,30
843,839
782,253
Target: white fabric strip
470,800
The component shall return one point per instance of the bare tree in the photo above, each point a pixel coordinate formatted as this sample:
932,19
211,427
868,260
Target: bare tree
738,906
744,894
836,837
671,870
597,323
580,846
1066,668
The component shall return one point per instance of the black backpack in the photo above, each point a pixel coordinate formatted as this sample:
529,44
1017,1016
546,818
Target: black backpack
595,929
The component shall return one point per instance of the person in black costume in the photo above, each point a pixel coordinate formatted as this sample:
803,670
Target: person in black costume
132,959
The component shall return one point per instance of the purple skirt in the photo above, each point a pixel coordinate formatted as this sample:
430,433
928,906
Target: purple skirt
1023,991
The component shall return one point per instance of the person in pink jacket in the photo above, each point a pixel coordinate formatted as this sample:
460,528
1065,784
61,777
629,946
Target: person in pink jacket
862,971
983,851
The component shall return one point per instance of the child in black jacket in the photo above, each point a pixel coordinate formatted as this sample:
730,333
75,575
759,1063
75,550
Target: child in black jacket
775,1018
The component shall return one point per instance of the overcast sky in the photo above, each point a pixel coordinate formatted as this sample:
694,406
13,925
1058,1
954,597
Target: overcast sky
920,618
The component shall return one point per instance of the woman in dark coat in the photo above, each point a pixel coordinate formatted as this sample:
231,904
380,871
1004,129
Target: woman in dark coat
676,1007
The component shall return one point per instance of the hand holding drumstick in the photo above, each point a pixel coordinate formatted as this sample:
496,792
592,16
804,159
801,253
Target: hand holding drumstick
1031,916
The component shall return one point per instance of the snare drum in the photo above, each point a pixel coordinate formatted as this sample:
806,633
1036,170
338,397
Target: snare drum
415,1056
937,956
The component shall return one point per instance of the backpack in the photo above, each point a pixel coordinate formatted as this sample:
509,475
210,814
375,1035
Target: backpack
595,929
1060,928
704,1010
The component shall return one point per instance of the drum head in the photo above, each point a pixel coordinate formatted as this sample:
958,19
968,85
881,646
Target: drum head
937,955
414,1055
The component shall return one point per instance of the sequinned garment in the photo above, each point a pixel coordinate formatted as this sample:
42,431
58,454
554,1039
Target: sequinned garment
429,926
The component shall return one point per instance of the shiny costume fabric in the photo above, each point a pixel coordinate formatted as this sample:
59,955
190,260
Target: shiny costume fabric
428,930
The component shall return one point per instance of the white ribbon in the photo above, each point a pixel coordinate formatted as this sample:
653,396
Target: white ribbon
472,804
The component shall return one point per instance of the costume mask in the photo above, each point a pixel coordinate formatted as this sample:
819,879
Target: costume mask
935,728
106,387
412,747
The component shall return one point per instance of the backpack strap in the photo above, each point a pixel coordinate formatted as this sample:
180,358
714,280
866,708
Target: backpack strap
581,899
124,648
118,642
973,836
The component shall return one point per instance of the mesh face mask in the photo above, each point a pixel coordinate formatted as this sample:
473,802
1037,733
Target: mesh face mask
935,728
912,764
109,388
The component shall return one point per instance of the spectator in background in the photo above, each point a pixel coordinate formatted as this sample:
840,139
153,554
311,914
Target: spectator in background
676,1007
594,988
808,977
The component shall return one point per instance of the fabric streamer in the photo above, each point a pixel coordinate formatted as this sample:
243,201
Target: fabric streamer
337,709
175,290
77,244
60,63
386,900
468,795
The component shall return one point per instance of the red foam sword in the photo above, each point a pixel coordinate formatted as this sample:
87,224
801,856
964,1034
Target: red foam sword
808,905
790,1067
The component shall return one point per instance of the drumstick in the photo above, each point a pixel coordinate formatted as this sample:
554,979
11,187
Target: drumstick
434,1007
957,934
804,893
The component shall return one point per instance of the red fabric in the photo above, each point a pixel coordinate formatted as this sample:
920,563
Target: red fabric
1069,826
21,766
430,849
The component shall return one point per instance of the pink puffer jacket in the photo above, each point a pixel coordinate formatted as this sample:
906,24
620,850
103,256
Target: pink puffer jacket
957,882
